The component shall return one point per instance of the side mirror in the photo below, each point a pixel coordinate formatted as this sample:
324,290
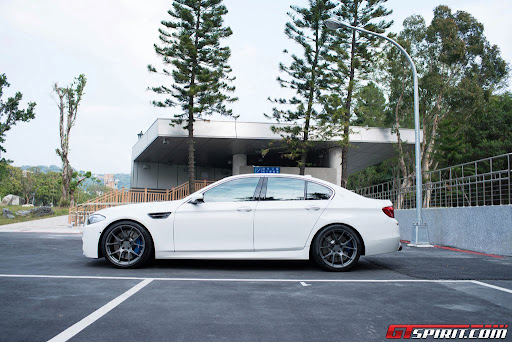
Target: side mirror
196,198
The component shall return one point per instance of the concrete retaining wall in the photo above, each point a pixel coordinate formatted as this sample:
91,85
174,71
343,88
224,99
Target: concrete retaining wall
481,229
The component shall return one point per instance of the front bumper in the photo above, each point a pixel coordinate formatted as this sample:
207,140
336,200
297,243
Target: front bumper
90,240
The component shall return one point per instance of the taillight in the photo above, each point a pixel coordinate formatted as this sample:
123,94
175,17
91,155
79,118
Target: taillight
389,211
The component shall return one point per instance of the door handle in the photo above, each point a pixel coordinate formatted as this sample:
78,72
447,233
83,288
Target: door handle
244,209
312,207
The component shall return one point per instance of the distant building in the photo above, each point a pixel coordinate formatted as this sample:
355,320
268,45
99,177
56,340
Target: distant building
25,172
109,181
225,148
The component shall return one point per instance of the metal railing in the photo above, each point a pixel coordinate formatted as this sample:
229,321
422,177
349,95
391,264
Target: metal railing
482,182
79,213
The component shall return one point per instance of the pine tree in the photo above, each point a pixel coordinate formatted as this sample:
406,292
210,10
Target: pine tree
190,44
306,76
363,50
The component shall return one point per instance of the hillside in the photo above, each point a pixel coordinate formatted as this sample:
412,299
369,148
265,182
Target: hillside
124,178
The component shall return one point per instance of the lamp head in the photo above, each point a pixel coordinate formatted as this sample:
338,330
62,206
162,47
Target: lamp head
334,24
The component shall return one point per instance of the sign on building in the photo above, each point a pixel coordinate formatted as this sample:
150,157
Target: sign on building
267,169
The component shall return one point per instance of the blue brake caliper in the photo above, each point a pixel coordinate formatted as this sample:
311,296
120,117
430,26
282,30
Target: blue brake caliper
350,245
138,242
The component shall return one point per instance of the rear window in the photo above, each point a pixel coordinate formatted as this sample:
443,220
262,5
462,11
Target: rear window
316,191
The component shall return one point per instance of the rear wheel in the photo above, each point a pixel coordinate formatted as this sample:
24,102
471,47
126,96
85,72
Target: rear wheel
336,248
127,244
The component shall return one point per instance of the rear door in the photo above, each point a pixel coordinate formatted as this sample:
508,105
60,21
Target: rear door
287,212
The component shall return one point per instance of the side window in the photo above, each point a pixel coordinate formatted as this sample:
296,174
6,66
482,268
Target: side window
284,189
237,190
317,192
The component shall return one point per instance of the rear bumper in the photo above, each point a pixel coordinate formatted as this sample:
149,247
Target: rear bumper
381,246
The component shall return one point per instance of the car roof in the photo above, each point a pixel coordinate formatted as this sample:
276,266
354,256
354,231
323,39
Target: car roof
330,185
281,175
288,175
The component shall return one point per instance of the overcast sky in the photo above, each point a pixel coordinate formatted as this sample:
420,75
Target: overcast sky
111,42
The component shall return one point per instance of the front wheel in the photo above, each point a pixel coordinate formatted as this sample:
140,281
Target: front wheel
127,244
336,248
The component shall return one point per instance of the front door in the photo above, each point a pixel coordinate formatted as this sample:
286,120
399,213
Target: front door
222,223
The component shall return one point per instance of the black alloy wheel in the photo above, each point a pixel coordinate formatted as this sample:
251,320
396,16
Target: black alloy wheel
336,248
127,244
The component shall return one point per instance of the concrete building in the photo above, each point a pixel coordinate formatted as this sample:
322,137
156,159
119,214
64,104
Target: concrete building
225,148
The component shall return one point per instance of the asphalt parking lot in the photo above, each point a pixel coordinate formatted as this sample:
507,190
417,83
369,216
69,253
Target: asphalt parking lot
49,290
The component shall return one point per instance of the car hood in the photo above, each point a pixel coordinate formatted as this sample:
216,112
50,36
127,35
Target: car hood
141,208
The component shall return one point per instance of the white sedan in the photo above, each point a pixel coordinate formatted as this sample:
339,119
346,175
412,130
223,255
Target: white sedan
253,216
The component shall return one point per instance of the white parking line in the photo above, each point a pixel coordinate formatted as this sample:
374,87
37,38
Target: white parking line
84,323
67,277
491,286
243,280
303,282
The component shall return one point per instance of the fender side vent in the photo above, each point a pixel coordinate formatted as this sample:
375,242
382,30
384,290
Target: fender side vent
159,215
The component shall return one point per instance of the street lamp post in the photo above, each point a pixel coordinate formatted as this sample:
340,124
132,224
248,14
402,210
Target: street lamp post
419,234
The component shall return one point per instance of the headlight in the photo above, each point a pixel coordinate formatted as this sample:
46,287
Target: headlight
95,218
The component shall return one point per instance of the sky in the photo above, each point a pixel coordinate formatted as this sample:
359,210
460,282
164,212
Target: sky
44,42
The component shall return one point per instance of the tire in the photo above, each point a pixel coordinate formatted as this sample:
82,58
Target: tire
127,244
336,248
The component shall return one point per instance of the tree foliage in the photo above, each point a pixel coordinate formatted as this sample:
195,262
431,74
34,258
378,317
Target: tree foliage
458,71
190,44
461,74
370,107
11,182
305,75
47,187
11,113
77,178
32,185
323,77
490,133
41,187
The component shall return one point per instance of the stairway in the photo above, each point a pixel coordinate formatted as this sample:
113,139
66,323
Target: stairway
79,213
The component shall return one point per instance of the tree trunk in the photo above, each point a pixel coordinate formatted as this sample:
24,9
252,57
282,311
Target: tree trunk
428,146
303,161
65,181
304,154
401,154
72,191
64,130
191,155
344,155
348,103
69,100
190,125
72,199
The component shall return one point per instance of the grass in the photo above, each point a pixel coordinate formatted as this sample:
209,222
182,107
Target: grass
14,208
